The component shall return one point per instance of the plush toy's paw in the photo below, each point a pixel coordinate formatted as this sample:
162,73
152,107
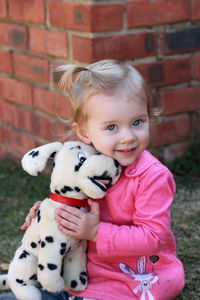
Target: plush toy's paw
78,284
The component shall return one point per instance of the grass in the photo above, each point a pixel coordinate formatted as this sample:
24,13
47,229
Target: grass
18,191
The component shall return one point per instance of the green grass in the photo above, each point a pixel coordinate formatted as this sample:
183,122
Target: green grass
18,191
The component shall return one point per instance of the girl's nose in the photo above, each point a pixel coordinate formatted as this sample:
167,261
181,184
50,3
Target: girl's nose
127,136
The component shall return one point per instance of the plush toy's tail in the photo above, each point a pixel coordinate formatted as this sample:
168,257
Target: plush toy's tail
4,282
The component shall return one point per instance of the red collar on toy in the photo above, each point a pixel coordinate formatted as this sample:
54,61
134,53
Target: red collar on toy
67,200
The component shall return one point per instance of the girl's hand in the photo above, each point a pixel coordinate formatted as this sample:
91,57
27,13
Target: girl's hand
31,215
78,224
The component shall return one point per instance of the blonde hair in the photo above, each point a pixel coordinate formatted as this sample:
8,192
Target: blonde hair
103,77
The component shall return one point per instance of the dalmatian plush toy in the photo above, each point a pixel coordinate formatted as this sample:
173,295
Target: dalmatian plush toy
46,257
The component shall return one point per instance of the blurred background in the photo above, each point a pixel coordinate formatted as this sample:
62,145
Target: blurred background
161,38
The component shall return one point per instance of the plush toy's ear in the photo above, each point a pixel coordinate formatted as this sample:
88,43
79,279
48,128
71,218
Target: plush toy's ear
35,160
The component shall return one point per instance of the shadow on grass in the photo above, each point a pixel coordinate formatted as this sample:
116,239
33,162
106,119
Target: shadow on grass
18,191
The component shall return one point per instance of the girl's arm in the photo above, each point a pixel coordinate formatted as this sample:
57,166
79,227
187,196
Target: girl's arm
150,229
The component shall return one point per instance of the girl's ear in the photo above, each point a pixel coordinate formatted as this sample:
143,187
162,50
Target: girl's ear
81,132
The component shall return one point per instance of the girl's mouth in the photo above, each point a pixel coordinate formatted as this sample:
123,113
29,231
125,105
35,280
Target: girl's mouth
126,150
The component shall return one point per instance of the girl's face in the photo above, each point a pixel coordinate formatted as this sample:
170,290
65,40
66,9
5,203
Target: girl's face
116,126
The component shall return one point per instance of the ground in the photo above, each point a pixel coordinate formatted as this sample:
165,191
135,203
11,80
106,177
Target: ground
18,191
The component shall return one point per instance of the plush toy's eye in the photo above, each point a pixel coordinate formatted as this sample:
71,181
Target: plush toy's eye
81,157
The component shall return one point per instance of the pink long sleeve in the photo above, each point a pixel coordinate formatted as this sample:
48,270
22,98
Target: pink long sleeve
150,229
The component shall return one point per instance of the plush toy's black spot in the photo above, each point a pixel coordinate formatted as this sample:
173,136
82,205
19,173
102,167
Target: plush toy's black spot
24,254
83,278
33,277
4,282
74,284
49,239
20,281
66,189
116,163
77,189
39,241
77,167
53,164
34,153
41,267
62,251
84,273
53,155
33,245
38,215
43,244
63,245
76,147
57,192
52,267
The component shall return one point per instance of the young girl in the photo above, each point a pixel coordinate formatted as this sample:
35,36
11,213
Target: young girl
131,248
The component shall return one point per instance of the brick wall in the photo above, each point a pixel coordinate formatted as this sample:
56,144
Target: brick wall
160,37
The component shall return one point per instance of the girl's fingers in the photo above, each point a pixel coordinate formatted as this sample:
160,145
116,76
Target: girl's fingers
31,215
66,224
24,226
94,207
69,212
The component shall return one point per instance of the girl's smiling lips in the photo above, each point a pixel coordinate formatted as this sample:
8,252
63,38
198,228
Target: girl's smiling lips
126,150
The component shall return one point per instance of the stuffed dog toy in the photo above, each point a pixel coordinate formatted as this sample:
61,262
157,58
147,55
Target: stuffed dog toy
46,257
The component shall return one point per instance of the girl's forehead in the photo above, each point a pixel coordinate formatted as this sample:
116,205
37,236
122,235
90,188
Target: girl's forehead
115,100
112,107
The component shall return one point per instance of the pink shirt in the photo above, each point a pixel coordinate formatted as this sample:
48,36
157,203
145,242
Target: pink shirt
134,256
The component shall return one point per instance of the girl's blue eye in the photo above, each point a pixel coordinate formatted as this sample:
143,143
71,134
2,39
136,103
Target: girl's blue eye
137,123
111,127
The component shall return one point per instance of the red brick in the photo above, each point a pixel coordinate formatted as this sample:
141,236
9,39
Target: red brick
121,47
181,40
31,67
18,141
166,72
86,46
32,122
13,35
16,91
180,101
48,42
15,116
51,102
195,10
1,134
196,66
170,131
92,18
5,59
195,121
3,9
145,12
47,128
27,11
